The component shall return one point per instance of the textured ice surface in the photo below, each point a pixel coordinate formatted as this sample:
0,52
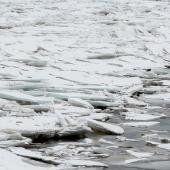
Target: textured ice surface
66,62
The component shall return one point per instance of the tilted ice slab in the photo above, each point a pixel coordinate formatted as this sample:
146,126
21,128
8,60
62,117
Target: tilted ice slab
80,102
109,128
18,96
99,103
52,160
11,161
12,138
31,126
128,161
140,154
44,126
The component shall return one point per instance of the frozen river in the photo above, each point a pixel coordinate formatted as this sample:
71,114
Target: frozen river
85,84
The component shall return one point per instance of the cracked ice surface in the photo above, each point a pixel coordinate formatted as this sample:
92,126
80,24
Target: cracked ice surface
67,67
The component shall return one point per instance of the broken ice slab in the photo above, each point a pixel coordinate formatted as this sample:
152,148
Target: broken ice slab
44,126
141,116
33,80
52,160
141,124
140,154
72,110
112,89
34,155
65,96
104,141
150,140
133,89
11,138
115,85
85,163
108,128
152,82
108,56
164,146
36,92
158,99
18,96
68,149
104,103
158,137
40,108
78,131
132,102
80,103
155,89
37,63
34,61
100,116
10,161
31,126
12,108
128,161
27,86
160,145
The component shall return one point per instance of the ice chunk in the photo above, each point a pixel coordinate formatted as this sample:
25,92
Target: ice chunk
105,127
86,163
80,102
104,104
12,161
11,138
140,116
140,154
100,116
34,155
131,102
164,146
82,96
44,126
140,124
18,96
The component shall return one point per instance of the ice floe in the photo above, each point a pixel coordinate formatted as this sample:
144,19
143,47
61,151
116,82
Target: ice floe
105,127
70,70
141,124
